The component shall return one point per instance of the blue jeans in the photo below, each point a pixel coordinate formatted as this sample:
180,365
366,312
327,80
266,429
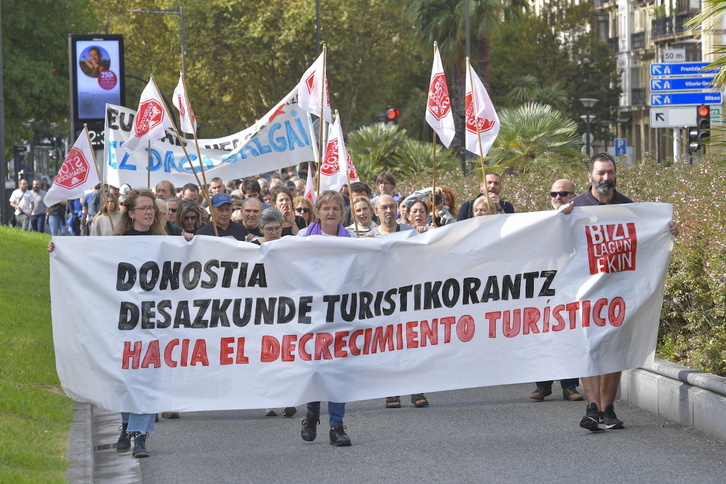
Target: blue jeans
139,422
566,384
336,411
37,222
57,225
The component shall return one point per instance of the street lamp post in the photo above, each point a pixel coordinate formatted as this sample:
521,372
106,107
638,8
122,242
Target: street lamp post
588,102
605,123
172,11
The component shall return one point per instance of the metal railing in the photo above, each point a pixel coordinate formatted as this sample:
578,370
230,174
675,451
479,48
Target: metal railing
661,27
637,41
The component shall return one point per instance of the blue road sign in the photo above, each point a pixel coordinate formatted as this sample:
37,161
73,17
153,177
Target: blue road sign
681,83
682,69
621,147
685,98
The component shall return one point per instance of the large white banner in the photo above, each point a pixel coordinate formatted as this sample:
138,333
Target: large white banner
146,324
279,139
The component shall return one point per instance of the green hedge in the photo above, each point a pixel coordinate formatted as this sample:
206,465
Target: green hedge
693,320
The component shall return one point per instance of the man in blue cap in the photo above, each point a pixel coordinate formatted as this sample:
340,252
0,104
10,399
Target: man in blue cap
222,215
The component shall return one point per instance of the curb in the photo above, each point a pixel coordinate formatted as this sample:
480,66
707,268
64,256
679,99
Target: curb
690,397
81,449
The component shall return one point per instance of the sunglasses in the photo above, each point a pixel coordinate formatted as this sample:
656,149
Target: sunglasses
562,194
302,210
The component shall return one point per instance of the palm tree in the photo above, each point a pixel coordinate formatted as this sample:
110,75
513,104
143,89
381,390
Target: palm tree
376,148
535,136
711,14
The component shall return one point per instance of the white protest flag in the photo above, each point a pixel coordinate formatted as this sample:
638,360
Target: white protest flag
313,89
77,174
186,113
482,122
438,109
309,188
336,161
151,120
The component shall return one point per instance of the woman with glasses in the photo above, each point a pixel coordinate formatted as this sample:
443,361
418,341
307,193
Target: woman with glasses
189,216
270,225
304,209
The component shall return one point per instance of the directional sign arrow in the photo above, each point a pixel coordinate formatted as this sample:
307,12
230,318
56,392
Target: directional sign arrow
660,117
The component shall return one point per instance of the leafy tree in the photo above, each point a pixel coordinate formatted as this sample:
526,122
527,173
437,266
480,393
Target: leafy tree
560,51
35,63
243,57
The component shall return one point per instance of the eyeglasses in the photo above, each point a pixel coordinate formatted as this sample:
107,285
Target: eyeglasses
302,210
145,209
276,228
173,210
562,194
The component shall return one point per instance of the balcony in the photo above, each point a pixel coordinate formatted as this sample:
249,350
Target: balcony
613,44
661,27
681,20
637,97
637,41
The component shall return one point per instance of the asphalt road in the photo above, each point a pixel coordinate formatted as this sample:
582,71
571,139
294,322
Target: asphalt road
494,434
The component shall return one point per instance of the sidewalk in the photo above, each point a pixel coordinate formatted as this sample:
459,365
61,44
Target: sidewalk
691,398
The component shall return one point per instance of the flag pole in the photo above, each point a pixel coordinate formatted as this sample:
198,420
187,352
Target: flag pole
433,188
196,140
322,112
347,178
478,135
205,193
148,165
98,174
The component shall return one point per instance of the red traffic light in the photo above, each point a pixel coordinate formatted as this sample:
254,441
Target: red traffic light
704,111
392,113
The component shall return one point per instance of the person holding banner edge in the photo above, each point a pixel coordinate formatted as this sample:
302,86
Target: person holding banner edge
140,217
601,390
561,192
329,212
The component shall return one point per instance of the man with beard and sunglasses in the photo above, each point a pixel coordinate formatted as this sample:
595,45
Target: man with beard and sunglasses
602,389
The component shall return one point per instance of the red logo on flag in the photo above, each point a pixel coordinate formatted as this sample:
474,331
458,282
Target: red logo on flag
330,164
74,171
150,115
310,83
611,247
471,125
182,108
438,102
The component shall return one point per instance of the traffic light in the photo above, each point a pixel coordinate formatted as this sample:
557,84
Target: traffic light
699,135
392,115
703,123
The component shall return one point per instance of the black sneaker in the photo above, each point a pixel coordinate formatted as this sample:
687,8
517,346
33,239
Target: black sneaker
610,420
593,419
310,426
338,437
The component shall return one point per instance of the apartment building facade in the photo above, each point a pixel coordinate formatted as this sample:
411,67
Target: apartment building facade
639,33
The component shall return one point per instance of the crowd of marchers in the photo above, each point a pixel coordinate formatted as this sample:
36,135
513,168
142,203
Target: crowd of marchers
264,208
